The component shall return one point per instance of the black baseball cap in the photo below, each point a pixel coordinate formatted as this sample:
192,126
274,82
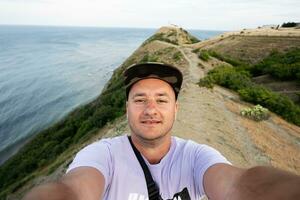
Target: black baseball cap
164,72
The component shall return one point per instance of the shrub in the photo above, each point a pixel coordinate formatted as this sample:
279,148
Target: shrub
196,50
275,102
257,113
227,59
284,66
289,24
177,56
228,77
194,39
239,80
204,55
207,81
149,58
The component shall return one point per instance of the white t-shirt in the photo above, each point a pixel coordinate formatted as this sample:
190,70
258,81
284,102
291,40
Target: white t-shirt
181,169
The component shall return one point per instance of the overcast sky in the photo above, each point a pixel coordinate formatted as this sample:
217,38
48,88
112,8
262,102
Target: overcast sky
190,14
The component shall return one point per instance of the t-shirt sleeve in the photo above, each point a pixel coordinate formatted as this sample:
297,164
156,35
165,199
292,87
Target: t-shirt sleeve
205,157
96,155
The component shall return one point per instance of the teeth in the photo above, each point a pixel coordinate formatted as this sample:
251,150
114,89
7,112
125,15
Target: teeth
150,122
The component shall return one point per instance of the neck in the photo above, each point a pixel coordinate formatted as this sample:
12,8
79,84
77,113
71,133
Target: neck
153,150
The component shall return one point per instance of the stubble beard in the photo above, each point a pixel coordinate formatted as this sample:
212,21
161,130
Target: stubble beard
150,140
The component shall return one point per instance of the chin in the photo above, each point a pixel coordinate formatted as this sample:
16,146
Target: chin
150,136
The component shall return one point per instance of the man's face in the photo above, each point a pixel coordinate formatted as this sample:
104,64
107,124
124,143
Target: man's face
151,109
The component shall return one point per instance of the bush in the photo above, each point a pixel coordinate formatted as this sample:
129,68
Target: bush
284,66
177,56
207,81
239,80
227,59
257,113
289,24
275,102
194,39
228,77
204,55
149,58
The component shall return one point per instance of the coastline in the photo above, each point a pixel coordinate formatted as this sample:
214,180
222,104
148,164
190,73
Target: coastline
12,149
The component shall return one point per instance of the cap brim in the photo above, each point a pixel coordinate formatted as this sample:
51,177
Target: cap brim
167,73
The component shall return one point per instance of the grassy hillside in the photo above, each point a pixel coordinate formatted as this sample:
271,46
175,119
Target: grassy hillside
238,76
252,49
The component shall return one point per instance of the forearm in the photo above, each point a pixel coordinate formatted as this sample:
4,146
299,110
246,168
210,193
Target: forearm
51,191
266,183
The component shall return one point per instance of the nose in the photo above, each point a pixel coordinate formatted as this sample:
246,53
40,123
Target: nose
150,108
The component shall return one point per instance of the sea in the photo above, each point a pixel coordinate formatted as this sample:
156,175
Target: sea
47,71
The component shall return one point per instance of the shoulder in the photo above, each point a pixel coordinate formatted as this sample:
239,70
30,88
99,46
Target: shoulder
108,143
99,153
101,156
202,156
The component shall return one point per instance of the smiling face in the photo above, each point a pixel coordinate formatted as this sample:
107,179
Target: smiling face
151,109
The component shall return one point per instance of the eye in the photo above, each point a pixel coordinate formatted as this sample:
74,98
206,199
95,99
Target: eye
139,100
162,101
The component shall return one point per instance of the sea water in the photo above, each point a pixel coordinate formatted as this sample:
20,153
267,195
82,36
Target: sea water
45,72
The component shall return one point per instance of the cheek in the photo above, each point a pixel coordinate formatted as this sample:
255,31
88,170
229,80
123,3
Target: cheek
170,112
133,112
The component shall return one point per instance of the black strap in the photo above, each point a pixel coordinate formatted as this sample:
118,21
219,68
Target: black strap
153,191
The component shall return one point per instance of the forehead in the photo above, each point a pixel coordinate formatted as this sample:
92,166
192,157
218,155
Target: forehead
151,86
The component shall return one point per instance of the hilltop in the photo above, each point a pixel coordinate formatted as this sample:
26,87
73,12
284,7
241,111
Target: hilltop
209,116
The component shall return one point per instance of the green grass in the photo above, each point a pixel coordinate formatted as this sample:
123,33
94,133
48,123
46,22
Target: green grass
161,37
177,56
194,39
283,66
204,55
238,78
149,58
227,59
170,37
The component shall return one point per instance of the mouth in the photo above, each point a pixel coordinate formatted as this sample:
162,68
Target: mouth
151,122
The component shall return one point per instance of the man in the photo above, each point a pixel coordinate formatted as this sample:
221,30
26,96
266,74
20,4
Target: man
121,167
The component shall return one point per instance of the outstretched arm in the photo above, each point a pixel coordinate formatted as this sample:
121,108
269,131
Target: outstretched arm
222,181
82,183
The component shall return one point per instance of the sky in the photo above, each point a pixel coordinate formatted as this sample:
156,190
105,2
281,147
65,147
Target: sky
189,14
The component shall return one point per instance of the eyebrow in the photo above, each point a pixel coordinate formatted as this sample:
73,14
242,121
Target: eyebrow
139,95
142,94
163,94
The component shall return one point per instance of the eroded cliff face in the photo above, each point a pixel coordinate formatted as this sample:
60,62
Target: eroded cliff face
209,116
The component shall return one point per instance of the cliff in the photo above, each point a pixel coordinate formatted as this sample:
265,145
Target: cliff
210,116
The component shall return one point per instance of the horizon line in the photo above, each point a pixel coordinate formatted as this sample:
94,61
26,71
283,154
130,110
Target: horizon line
88,26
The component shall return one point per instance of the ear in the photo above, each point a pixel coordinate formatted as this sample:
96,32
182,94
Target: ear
176,109
127,109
